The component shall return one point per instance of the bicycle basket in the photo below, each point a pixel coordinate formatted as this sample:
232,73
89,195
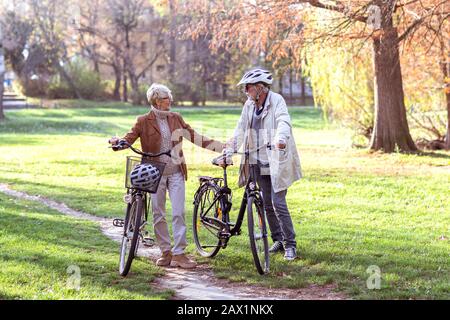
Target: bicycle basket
132,162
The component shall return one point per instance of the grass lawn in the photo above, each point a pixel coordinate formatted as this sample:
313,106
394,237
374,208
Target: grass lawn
43,252
352,210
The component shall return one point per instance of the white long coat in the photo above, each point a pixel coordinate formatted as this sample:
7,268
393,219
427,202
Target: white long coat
285,167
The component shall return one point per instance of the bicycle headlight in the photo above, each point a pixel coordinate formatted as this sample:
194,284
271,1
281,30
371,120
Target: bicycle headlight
127,198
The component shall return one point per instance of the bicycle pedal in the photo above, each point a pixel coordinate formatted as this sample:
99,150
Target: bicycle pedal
224,235
148,242
118,223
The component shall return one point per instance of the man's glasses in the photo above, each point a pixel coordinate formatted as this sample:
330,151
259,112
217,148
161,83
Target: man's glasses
247,87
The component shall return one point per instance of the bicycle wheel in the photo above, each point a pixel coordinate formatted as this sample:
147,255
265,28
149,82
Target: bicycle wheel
257,232
206,230
130,237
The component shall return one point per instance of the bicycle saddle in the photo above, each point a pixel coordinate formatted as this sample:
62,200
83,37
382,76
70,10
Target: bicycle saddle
205,178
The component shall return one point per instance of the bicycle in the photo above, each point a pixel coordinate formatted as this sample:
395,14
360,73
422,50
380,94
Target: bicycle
138,205
212,227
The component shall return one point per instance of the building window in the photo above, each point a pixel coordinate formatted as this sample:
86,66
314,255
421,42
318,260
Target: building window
143,47
160,68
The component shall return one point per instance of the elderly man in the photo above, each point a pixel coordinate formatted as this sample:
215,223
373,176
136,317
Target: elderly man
265,121
161,130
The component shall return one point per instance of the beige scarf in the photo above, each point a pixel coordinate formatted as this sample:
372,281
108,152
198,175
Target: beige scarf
160,113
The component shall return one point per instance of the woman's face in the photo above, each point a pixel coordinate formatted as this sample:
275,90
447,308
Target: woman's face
163,104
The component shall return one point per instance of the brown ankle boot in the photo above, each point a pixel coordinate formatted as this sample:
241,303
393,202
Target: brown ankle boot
165,259
182,261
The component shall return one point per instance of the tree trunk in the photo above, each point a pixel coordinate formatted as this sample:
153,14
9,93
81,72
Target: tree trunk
280,83
125,89
125,65
135,98
69,80
2,88
445,67
447,136
391,127
125,83
291,93
116,93
96,66
224,91
172,41
302,81
2,74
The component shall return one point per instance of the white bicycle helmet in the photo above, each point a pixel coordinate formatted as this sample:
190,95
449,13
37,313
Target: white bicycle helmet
255,76
144,176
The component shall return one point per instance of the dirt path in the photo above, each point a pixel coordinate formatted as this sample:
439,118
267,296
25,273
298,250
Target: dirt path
197,284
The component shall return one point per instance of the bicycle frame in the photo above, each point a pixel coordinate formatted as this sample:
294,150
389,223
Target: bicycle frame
251,190
122,144
145,198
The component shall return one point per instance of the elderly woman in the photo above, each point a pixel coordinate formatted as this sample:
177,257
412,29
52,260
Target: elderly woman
161,130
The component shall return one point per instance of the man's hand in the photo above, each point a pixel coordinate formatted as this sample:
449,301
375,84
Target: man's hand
281,145
227,155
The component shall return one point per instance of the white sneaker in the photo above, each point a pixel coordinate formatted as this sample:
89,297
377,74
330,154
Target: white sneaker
290,254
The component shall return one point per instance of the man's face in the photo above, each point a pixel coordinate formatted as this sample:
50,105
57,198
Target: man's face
251,90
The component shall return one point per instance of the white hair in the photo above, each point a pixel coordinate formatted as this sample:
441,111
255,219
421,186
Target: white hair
158,91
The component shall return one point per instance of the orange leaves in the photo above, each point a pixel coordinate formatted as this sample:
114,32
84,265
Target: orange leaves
280,29
447,85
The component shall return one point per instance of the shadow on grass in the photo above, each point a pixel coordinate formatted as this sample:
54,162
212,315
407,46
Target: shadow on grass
433,154
72,196
62,121
12,140
55,127
69,232
323,260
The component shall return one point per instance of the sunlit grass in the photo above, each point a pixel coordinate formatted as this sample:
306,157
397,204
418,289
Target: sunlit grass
44,253
353,209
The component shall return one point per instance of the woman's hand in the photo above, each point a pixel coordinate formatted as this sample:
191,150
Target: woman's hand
114,140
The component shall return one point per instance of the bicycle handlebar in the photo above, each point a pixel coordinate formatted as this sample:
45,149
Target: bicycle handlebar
268,146
121,144
246,153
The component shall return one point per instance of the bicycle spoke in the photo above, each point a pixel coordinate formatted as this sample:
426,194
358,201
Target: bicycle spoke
258,236
208,228
131,236
206,233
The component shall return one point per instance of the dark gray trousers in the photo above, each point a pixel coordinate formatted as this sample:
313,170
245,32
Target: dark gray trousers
277,212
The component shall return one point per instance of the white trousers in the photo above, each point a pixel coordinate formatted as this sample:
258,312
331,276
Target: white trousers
175,185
